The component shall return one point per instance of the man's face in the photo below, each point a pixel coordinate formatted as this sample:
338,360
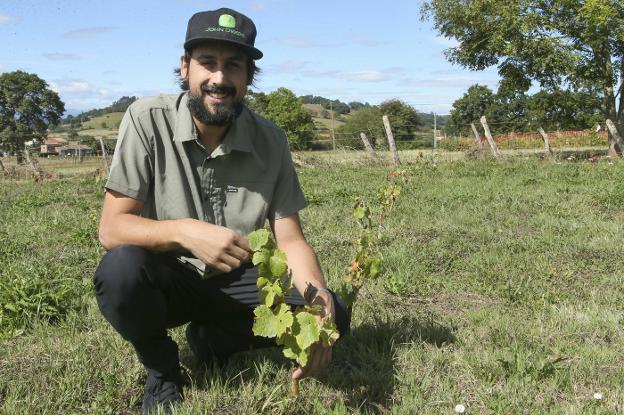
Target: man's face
217,78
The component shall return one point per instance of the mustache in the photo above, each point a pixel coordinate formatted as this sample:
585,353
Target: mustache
219,89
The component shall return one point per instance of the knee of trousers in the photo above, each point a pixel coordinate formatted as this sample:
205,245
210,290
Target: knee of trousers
121,275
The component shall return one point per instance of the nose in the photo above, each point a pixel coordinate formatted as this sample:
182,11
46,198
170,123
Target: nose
218,76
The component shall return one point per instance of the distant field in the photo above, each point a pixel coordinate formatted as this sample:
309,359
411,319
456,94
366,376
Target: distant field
111,120
316,110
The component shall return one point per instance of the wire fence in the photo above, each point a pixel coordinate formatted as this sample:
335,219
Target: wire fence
416,137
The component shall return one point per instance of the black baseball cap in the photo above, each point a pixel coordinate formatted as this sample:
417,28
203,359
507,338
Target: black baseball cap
224,25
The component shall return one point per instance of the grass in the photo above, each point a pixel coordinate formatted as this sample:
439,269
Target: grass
502,291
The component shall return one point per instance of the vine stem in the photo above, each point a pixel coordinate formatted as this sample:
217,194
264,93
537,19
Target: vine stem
294,388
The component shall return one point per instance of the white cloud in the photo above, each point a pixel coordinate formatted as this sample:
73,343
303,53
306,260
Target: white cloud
72,87
289,66
61,56
321,74
366,76
364,40
87,32
369,75
450,82
7,19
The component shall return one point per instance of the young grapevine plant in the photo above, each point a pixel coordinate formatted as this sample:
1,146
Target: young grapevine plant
294,330
366,264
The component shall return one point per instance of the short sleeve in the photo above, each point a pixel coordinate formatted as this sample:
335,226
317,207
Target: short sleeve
132,168
288,198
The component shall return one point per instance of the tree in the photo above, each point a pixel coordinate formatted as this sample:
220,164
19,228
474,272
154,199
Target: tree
286,110
356,105
565,110
561,44
27,108
515,111
403,118
256,101
476,102
366,120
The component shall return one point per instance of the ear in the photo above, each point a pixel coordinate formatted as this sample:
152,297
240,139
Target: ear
184,64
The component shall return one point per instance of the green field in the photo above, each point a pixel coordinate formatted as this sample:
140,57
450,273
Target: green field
111,119
502,291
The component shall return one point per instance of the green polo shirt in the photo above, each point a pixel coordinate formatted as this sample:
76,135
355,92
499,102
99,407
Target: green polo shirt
159,160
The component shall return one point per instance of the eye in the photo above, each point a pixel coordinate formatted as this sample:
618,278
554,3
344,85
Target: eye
234,65
207,62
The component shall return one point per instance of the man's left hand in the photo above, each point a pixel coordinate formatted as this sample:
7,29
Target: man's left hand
320,355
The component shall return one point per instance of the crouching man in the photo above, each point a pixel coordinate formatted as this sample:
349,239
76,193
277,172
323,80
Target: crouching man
191,176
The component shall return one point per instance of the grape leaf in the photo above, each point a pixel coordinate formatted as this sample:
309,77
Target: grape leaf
262,281
373,265
261,256
272,322
329,333
308,330
359,212
269,293
278,263
293,351
286,282
258,239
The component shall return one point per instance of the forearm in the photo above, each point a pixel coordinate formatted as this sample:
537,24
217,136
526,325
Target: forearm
304,265
131,229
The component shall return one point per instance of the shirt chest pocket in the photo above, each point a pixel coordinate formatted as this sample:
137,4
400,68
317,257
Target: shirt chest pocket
243,206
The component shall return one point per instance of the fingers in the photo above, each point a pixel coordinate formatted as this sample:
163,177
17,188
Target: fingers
243,243
298,373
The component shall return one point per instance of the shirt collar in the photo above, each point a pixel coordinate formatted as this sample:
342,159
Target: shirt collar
238,137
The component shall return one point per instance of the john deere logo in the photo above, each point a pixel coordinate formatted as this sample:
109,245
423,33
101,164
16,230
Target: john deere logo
226,20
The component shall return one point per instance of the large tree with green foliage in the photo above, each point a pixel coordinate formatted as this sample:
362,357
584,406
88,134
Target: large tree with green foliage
577,44
515,111
27,108
366,120
476,102
403,118
286,110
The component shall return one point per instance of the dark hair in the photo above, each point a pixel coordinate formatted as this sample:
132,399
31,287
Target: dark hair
252,71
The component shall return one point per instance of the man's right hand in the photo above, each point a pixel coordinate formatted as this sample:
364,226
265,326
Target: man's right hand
216,246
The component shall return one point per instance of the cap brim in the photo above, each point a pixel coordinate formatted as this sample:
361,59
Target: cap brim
250,50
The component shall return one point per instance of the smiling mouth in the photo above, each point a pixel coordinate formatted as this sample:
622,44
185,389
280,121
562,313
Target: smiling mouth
218,93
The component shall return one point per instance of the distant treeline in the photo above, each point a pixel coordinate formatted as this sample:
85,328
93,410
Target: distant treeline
343,108
336,105
121,105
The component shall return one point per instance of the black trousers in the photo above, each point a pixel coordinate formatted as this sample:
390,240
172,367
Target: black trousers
142,294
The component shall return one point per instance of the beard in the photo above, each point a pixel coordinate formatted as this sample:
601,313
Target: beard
219,115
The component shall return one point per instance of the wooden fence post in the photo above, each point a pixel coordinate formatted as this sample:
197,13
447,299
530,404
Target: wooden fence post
614,133
489,137
476,136
391,143
546,142
2,169
368,146
104,154
33,165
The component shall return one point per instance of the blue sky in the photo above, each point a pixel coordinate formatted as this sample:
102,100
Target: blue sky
93,52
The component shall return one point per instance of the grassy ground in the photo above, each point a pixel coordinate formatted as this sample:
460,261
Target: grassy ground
502,292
